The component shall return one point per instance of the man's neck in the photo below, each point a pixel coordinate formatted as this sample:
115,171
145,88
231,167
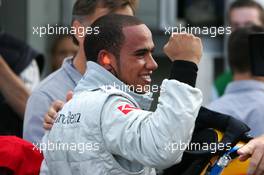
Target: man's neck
246,76
79,62
242,76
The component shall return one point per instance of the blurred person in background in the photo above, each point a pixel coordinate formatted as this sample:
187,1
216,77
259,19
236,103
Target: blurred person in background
242,13
62,47
56,85
243,98
245,13
20,67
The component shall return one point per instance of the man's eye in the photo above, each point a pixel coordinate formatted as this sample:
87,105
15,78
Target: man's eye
140,54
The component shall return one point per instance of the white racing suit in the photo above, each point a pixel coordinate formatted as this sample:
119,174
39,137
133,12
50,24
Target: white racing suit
119,137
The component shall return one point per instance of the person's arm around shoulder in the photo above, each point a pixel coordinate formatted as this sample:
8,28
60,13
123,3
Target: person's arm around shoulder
55,107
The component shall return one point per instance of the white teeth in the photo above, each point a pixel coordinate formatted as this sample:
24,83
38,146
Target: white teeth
146,77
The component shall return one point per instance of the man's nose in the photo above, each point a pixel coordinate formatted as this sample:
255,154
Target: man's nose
151,63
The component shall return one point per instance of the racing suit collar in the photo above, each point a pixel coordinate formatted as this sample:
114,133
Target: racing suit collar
96,77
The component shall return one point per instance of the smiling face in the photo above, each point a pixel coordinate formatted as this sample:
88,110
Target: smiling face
136,64
124,47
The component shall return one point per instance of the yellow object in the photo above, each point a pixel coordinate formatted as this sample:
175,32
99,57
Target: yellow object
235,167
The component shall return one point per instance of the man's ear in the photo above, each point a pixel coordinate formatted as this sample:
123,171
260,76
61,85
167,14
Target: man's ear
107,60
80,35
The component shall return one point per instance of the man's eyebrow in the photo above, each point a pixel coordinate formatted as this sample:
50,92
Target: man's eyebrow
144,50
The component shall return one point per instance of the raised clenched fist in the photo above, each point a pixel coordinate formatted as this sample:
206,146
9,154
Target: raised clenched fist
185,47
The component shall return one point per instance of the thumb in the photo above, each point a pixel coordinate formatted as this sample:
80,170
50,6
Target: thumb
246,151
243,158
69,96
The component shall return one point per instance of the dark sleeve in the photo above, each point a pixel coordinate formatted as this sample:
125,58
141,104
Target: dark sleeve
233,129
184,71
